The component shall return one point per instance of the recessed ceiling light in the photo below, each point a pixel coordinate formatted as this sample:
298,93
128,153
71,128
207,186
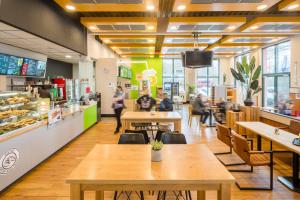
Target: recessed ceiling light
262,7
70,7
231,27
150,27
150,7
181,7
114,48
68,56
253,27
92,27
106,41
173,27
230,40
291,7
150,40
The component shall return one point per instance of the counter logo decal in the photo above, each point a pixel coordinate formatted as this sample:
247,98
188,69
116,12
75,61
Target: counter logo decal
8,161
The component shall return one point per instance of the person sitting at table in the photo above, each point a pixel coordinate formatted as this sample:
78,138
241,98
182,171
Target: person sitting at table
199,108
146,102
220,114
166,104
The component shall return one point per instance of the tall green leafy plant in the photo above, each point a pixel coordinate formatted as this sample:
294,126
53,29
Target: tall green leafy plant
248,75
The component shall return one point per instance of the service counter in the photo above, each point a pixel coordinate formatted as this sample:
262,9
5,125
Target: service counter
23,149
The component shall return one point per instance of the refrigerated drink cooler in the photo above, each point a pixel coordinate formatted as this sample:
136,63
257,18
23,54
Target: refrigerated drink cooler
172,89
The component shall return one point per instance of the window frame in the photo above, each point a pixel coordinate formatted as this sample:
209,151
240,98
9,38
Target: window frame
207,77
172,76
275,74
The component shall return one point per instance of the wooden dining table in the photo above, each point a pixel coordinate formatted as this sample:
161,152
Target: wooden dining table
283,138
144,117
115,167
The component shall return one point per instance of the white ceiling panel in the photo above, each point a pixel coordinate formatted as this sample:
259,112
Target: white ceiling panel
14,37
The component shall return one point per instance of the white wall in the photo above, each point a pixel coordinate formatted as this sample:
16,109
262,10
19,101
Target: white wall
106,80
97,50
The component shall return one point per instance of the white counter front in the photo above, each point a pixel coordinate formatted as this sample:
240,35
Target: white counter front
21,152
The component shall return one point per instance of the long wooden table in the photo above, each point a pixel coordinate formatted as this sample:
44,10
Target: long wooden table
285,139
113,167
159,117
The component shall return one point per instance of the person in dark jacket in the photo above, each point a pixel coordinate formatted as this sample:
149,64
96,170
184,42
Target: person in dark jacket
146,102
199,108
166,104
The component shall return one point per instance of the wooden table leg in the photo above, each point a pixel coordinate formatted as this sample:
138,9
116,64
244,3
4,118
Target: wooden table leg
75,192
200,195
177,126
225,192
99,195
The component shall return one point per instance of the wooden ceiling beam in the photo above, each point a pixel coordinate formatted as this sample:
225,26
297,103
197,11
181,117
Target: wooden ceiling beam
165,10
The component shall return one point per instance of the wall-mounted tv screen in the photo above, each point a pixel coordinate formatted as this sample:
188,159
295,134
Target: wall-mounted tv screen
3,63
14,65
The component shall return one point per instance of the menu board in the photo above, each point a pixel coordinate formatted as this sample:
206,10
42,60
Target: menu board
14,65
41,69
33,68
3,63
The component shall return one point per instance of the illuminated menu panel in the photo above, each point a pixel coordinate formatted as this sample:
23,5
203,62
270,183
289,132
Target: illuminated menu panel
14,65
3,63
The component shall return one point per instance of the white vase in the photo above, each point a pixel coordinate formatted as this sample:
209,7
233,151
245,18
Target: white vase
156,156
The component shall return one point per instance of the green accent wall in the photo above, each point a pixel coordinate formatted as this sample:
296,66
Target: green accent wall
138,68
89,116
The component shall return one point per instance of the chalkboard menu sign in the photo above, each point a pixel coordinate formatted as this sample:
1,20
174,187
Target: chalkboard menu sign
3,63
14,65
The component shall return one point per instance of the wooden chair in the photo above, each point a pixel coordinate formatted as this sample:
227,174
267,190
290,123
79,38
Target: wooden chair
294,127
191,116
251,158
224,135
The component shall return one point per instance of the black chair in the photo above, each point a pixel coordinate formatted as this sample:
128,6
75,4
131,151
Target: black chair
130,138
174,138
143,132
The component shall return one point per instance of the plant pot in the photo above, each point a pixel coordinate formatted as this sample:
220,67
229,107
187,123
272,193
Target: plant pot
156,156
248,102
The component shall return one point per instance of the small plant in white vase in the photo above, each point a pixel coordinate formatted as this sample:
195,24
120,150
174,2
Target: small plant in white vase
156,152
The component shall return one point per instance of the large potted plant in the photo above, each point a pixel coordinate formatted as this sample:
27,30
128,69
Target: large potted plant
247,75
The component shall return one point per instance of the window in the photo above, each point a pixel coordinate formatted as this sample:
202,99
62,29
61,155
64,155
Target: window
173,72
208,77
276,74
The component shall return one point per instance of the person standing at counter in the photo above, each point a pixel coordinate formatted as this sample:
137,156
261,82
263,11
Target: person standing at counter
118,106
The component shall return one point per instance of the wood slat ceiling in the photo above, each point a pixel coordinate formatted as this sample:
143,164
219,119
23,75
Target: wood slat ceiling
166,10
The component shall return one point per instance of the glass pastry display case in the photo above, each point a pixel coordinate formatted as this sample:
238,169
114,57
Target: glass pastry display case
18,110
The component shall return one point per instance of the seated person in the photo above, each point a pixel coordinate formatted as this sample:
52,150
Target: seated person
220,115
166,104
199,108
146,102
